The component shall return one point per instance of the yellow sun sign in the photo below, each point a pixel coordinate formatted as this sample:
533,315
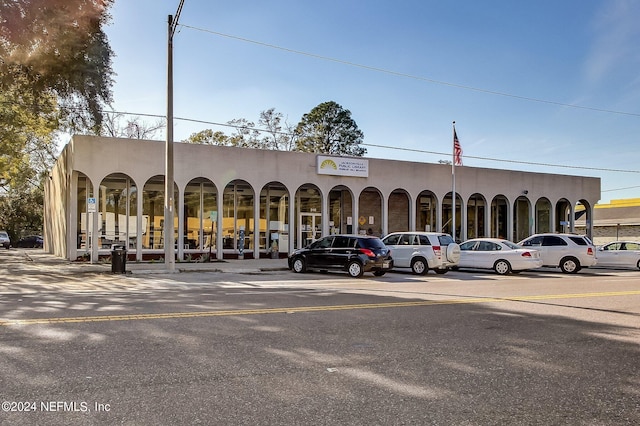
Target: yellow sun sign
328,163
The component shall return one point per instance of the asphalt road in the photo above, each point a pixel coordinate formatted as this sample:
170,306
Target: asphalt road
277,348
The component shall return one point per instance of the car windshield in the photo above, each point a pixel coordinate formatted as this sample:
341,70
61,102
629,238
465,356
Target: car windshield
4,234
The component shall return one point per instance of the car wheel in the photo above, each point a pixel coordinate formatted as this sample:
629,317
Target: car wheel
299,265
570,265
419,266
502,267
379,273
355,269
441,271
638,264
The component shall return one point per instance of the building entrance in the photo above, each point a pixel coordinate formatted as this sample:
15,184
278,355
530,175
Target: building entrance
310,228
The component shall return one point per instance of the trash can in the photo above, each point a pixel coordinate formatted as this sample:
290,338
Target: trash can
118,260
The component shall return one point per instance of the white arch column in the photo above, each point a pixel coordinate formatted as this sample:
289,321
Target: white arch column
463,220
180,239
256,222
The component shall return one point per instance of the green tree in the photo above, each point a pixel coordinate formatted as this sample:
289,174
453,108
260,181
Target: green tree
21,212
57,48
329,129
209,137
28,140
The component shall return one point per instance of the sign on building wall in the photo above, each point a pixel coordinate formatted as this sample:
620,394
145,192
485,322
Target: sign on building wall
341,166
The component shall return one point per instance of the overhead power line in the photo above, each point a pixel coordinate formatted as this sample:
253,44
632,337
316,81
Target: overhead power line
405,75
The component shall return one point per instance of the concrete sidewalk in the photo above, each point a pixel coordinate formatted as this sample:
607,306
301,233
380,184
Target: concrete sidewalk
39,258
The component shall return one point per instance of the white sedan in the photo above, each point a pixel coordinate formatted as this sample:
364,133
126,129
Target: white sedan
619,254
502,256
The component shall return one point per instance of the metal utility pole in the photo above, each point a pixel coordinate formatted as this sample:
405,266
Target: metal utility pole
169,202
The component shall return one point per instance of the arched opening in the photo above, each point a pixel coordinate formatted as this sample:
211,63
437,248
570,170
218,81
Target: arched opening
499,217
521,219
340,210
200,216
447,216
427,212
583,218
117,212
83,224
309,214
238,225
563,210
476,210
543,216
370,212
153,214
399,208
274,219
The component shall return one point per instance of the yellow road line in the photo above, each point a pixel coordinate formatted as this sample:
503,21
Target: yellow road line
287,310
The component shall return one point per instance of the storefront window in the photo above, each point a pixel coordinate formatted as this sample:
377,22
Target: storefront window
475,216
200,206
117,212
237,217
83,224
309,213
499,216
153,213
426,212
543,216
274,218
340,211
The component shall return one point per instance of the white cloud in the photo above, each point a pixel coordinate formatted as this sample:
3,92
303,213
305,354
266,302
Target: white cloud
616,34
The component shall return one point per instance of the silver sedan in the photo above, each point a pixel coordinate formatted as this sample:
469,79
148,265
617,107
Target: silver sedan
619,254
502,256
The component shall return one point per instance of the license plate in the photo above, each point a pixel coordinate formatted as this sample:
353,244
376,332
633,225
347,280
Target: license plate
386,264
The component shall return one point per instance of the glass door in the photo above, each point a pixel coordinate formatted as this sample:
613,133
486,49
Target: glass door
309,229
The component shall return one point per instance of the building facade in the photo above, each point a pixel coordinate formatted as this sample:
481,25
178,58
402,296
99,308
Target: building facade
236,201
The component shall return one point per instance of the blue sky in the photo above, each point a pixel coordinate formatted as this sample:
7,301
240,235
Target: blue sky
547,82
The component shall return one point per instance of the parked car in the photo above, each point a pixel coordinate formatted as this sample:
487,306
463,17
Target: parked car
619,254
4,240
355,254
502,256
569,252
422,251
32,241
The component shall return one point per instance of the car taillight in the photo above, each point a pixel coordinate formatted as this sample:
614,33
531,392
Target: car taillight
367,252
589,251
437,251
526,254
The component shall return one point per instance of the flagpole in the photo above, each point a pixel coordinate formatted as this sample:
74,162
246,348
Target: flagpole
453,180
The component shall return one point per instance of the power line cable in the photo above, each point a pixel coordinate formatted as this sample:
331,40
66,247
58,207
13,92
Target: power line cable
405,75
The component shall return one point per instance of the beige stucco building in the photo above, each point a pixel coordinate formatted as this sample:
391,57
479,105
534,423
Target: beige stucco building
106,191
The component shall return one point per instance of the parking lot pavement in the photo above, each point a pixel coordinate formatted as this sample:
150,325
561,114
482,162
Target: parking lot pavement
33,270
38,259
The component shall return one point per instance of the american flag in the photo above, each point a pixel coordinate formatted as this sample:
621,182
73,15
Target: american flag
457,150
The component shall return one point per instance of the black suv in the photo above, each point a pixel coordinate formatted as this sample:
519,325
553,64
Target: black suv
355,254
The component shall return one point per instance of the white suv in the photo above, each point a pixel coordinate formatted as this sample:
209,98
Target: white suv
569,252
422,251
